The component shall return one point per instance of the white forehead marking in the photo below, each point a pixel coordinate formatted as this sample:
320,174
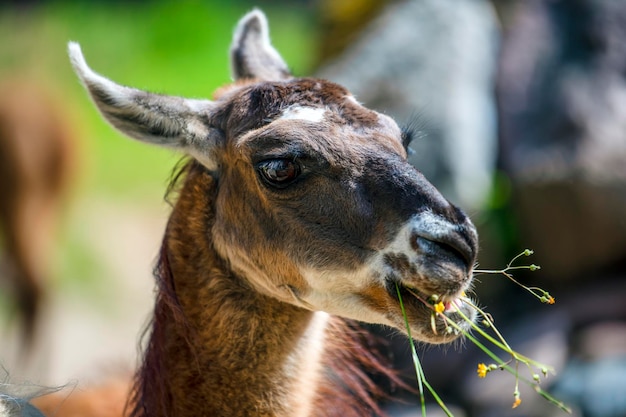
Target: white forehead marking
310,114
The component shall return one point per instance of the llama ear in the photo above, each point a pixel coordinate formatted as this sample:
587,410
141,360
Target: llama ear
251,53
173,122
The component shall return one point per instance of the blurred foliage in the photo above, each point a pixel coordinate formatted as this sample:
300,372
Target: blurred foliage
172,47
178,48
342,21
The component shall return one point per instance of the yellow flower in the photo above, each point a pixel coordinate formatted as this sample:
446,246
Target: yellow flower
517,402
440,307
482,370
551,300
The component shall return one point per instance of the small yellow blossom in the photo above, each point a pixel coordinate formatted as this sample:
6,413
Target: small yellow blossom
482,370
440,307
517,402
551,300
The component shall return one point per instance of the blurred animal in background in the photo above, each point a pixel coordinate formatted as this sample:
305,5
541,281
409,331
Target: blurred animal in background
36,153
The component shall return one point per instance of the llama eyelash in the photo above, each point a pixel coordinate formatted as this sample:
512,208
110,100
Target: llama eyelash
408,135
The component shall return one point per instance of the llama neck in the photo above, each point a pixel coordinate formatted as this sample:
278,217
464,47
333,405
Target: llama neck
217,347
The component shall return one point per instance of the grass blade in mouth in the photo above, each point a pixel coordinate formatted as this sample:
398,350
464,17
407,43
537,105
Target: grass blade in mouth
419,372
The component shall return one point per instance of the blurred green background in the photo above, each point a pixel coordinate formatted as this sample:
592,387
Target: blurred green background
172,47
178,48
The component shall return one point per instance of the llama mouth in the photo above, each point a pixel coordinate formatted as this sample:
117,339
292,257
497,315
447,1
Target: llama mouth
426,324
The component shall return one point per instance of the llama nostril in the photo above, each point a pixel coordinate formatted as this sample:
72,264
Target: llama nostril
452,248
437,236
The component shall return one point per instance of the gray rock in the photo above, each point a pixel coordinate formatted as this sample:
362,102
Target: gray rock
434,59
562,97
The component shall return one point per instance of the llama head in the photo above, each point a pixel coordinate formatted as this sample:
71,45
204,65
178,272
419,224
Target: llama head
313,201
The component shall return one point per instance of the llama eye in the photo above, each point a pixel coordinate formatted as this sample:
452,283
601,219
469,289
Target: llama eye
279,172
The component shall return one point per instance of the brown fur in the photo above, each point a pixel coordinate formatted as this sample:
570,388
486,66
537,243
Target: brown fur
299,200
187,336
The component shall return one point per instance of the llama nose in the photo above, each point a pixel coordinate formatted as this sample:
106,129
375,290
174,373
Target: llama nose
456,243
451,249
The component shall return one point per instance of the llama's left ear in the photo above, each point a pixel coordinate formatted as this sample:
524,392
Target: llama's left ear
251,53
173,122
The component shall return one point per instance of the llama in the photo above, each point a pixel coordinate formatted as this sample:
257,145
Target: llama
36,160
297,210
